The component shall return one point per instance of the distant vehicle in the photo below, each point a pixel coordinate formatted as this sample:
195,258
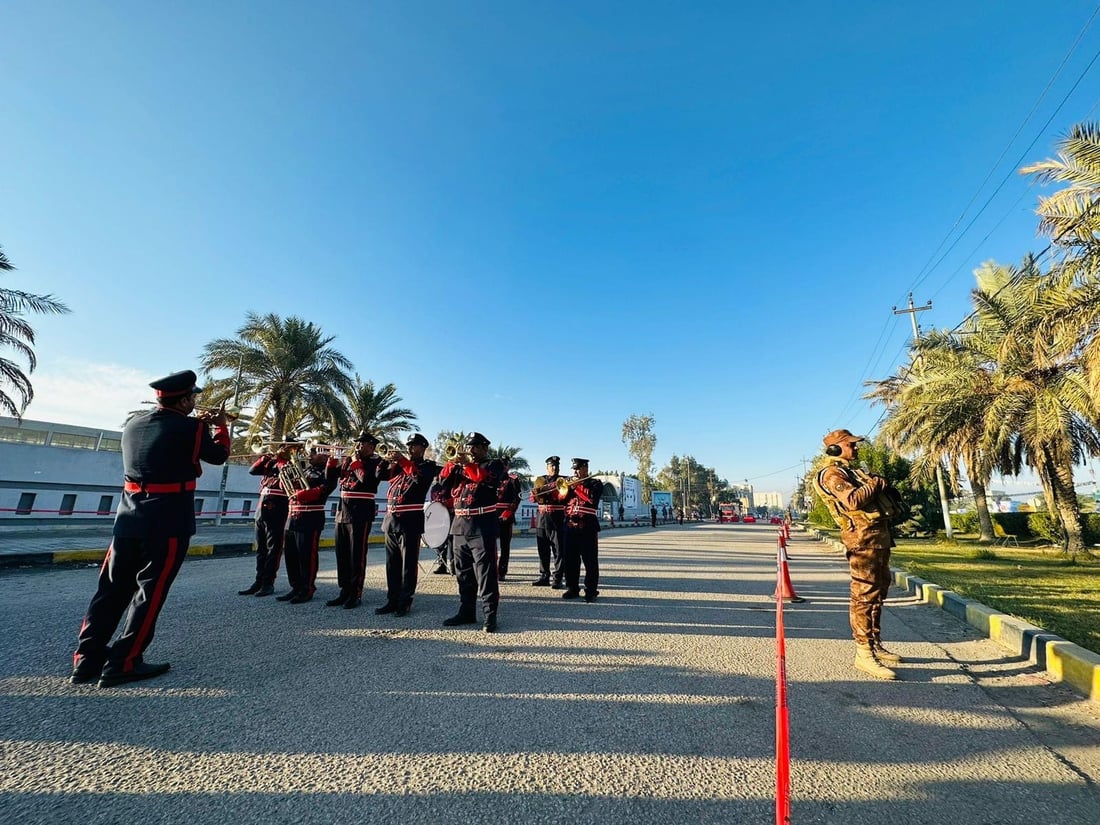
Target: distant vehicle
727,514
749,519
775,520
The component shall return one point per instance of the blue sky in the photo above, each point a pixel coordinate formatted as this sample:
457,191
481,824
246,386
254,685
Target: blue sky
534,218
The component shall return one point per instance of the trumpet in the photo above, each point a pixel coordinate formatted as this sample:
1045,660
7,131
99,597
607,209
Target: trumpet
388,451
454,451
332,450
257,445
209,414
562,486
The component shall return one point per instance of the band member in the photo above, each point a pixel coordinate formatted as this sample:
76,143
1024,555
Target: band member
359,478
161,451
475,480
271,518
444,554
582,528
550,531
854,501
307,520
508,504
410,478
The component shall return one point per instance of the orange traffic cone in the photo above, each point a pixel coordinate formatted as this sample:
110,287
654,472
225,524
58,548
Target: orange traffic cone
788,589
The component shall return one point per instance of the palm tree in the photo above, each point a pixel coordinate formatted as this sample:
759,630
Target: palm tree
286,366
17,334
937,406
516,463
1041,411
376,411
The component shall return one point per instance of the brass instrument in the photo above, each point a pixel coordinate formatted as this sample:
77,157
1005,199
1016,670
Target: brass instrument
561,486
456,451
337,451
389,451
292,477
208,414
258,445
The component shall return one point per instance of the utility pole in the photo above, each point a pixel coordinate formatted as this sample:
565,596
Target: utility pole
912,313
225,467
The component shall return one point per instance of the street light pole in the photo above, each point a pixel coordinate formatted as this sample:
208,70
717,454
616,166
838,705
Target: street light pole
225,467
912,313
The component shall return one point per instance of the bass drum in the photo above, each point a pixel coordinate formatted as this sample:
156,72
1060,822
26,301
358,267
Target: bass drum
437,524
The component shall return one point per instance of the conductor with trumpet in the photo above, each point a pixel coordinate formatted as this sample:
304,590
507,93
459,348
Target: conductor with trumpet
161,451
359,478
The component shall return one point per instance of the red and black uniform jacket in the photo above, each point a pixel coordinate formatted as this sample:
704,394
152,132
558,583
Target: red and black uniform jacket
161,451
475,488
359,481
582,505
273,498
409,484
551,507
508,499
307,507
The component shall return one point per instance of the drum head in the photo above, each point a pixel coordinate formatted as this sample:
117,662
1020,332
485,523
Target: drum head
437,524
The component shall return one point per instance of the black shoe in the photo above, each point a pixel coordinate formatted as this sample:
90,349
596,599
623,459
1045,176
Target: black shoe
490,625
84,673
352,603
384,609
113,678
339,600
249,591
541,583
286,597
590,596
403,610
571,594
266,590
458,620
502,575
557,586
302,598
440,569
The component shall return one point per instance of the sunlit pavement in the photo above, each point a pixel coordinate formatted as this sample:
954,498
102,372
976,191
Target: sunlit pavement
653,704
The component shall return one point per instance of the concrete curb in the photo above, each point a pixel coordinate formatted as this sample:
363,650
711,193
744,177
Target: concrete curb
1063,661
96,555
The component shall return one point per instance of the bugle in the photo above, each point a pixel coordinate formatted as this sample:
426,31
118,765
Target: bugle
388,451
332,450
454,451
208,414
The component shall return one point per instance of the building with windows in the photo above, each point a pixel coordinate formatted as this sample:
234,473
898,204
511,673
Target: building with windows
58,472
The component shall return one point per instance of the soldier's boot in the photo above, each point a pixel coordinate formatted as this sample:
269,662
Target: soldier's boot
883,655
869,664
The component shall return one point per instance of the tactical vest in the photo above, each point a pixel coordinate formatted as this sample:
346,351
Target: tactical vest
886,506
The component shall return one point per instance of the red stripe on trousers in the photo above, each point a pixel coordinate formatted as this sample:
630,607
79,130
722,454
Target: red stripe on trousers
155,604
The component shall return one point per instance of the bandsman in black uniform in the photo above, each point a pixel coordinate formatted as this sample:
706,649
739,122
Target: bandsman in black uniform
359,478
550,530
410,479
161,451
303,529
475,480
582,528
508,503
444,555
271,518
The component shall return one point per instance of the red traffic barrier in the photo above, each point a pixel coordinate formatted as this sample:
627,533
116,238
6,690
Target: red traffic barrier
782,718
787,590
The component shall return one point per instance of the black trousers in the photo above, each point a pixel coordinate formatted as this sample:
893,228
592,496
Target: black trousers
549,540
582,544
136,576
476,570
301,560
505,540
402,556
351,555
270,527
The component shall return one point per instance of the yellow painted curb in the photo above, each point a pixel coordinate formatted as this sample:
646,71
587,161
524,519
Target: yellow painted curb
79,555
201,550
1079,667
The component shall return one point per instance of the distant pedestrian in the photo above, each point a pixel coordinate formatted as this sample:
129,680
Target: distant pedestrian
653,515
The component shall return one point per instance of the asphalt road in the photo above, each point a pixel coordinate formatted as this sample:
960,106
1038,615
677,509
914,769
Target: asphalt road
656,704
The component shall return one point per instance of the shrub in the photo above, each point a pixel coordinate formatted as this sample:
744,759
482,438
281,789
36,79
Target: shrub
965,522
1044,525
1015,523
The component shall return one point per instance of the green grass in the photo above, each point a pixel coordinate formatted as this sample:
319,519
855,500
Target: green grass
1036,584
